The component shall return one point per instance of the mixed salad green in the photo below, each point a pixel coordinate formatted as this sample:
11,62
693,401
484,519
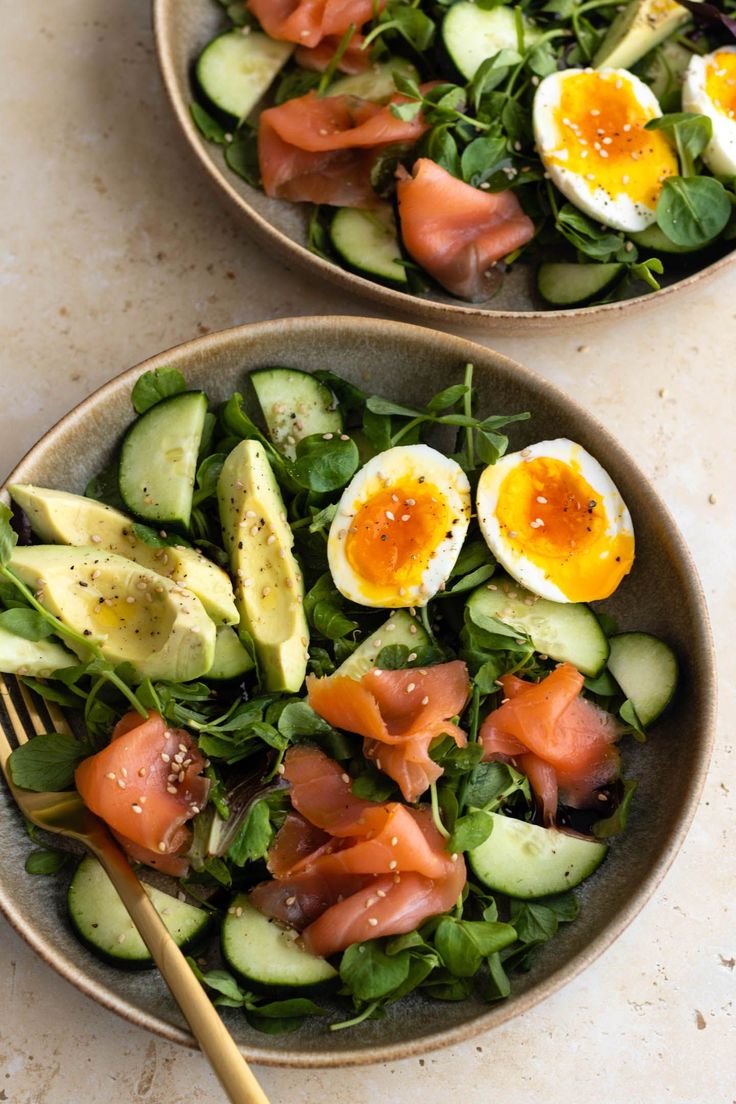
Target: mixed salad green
240,699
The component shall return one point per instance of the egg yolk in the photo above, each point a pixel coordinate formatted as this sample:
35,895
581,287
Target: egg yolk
394,535
720,82
600,126
550,515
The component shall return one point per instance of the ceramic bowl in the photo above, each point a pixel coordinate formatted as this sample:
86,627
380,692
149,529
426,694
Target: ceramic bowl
181,32
662,595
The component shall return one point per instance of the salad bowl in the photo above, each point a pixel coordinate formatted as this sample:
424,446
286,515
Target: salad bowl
662,595
183,30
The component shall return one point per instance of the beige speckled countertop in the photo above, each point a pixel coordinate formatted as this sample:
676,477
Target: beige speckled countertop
112,248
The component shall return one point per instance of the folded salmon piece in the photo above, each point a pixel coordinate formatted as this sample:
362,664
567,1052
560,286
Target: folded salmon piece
386,871
399,713
320,149
317,58
308,22
562,742
146,784
457,232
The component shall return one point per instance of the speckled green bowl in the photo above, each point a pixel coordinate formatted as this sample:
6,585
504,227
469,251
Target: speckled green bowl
662,594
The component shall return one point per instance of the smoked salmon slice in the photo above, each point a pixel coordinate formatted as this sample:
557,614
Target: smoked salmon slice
146,784
558,739
386,871
308,22
399,713
322,149
354,59
457,232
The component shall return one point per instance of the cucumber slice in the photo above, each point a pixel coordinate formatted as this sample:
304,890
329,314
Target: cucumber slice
646,670
657,241
101,920
401,628
377,83
471,34
295,405
265,952
524,860
567,631
235,70
19,656
158,459
568,284
369,243
231,659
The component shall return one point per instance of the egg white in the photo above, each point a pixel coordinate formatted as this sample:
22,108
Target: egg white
404,462
509,555
618,211
720,153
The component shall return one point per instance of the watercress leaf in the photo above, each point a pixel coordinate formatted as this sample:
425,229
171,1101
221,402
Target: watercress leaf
298,720
45,861
377,428
221,982
373,785
440,146
692,210
617,821
378,405
296,83
156,385
628,714
542,59
690,133
564,905
463,944
406,85
8,535
208,474
241,155
470,831
208,127
443,400
330,621
283,1025
153,538
534,923
406,111
323,518
254,836
470,581
350,398
325,466
51,692
47,762
604,685
497,984
289,1008
369,973
105,487
481,158
27,623
443,986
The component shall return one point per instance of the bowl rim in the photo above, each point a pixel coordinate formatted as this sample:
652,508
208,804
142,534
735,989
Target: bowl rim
429,310
310,327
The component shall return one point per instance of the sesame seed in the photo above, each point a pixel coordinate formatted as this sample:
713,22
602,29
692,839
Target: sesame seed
425,700
345,778
142,772
406,517
290,901
410,687
136,808
712,499
454,856
130,599
413,630
247,583
380,893
238,912
372,921
378,672
411,657
142,585
122,784
541,499
390,628
110,775
281,769
393,864
96,573
390,516
327,436
165,758
121,937
265,592
96,538
162,846
171,789
250,513
394,841
254,530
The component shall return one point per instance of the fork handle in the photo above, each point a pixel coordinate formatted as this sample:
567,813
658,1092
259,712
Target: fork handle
215,1040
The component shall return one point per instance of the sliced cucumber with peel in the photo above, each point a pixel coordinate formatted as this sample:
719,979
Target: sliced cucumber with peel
235,70
265,952
102,922
377,83
472,33
566,284
368,242
524,860
295,405
158,459
646,670
401,628
655,239
566,631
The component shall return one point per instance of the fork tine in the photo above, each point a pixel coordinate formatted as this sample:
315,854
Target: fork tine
32,709
5,747
15,721
58,719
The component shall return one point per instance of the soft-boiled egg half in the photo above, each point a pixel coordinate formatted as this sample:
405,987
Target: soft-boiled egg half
710,89
589,130
399,527
554,519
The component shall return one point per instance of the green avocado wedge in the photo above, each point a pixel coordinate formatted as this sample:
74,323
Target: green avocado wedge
269,589
62,518
132,614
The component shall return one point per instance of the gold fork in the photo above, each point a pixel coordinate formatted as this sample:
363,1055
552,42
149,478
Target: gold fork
65,814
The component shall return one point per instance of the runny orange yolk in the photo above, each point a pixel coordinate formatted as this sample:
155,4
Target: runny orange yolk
550,514
602,139
720,82
394,535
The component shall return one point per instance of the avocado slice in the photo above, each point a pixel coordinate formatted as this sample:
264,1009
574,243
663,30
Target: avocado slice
269,590
641,26
19,656
58,517
134,615
231,659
